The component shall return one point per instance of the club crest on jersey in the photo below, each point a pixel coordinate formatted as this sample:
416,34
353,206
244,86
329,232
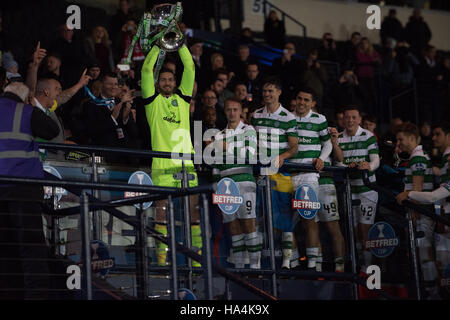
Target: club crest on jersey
306,201
382,240
227,196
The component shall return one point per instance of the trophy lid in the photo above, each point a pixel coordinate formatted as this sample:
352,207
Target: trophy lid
163,11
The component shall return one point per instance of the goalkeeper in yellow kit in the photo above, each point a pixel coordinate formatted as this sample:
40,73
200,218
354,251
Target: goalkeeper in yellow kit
167,111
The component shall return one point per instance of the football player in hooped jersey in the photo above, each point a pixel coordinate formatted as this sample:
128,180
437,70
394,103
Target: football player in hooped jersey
167,112
328,198
314,148
278,141
239,140
418,177
360,151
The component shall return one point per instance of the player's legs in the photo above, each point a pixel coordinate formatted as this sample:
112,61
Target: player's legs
329,215
167,180
425,239
247,218
237,239
313,248
364,217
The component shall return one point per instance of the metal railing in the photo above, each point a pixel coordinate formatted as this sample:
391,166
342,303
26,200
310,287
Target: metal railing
284,15
411,232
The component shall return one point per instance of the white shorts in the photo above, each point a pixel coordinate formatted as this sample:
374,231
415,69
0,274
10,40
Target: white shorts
327,197
307,178
364,213
247,210
442,241
426,225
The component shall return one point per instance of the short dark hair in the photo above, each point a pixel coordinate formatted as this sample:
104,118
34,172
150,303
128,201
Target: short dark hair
338,110
409,129
252,63
166,70
351,107
221,71
272,80
109,75
306,90
356,33
445,126
239,83
55,54
370,118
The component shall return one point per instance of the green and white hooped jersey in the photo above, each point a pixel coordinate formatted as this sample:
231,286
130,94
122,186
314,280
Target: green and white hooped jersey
445,177
419,164
443,167
358,148
325,179
273,131
241,144
312,131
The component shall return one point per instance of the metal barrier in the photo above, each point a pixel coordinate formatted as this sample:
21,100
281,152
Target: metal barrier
411,232
89,202
284,15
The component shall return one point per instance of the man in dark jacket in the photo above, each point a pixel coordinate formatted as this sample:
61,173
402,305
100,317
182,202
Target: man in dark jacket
23,251
391,27
111,125
417,33
288,68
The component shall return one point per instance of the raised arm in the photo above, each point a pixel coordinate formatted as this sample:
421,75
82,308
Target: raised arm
147,80
188,78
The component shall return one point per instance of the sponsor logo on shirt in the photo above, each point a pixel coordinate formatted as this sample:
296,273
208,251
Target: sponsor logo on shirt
304,140
172,118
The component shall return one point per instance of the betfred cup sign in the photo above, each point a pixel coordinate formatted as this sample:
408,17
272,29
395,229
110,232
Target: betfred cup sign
139,177
227,196
382,240
306,202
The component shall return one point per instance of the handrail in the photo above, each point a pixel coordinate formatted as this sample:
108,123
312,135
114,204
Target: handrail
406,203
283,15
180,156
106,186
